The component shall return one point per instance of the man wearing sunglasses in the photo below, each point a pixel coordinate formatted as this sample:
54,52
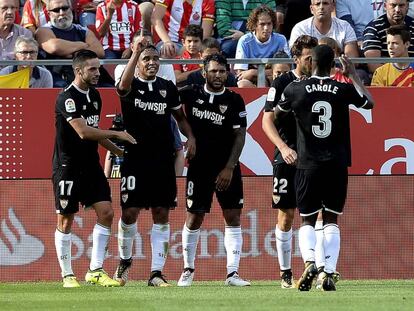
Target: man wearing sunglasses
61,38
9,31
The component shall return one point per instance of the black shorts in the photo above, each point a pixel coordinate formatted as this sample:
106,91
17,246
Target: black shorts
148,183
324,186
72,185
201,184
283,193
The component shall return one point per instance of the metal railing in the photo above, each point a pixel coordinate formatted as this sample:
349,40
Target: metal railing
259,62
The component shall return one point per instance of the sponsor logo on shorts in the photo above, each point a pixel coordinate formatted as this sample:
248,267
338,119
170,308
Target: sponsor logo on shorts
64,203
70,105
124,197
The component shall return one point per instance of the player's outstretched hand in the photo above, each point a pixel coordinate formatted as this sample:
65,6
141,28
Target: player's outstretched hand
190,147
348,68
125,136
224,178
289,155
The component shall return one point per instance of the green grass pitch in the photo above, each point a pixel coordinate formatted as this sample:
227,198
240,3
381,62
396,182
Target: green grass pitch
375,295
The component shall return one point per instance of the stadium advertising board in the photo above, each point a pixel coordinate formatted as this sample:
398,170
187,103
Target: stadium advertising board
382,139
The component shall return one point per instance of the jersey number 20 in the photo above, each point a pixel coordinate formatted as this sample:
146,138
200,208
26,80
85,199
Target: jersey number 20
324,128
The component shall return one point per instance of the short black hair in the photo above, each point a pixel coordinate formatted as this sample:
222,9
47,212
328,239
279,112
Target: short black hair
193,31
82,56
218,58
323,56
210,43
148,47
400,30
303,42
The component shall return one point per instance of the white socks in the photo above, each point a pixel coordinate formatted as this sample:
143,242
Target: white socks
307,242
160,237
284,248
126,235
63,245
233,241
189,241
332,241
319,248
100,236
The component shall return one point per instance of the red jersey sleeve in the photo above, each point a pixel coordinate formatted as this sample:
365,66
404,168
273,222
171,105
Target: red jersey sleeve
209,10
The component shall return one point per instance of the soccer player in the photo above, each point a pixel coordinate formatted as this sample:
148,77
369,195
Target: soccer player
283,174
218,119
77,174
320,106
148,173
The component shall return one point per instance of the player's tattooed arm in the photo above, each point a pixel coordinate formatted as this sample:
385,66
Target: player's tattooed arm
224,177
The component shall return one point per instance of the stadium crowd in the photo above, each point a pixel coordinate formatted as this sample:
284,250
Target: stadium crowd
107,27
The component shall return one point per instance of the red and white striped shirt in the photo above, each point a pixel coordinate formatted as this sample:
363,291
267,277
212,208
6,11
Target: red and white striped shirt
124,23
181,13
34,14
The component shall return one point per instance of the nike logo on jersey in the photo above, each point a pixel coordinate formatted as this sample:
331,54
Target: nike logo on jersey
159,108
208,115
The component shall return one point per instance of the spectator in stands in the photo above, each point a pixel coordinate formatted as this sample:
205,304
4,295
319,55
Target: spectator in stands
170,17
375,43
86,11
192,37
34,14
27,49
395,74
323,24
358,13
210,46
261,42
116,23
280,68
60,38
231,19
9,31
291,12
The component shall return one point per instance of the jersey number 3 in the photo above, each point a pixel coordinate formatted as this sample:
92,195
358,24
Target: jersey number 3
324,127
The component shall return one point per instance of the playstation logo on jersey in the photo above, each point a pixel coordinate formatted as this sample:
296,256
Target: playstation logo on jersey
124,197
223,108
64,203
95,104
163,93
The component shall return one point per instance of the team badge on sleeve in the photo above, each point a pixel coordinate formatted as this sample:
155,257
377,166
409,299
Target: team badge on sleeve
271,94
70,105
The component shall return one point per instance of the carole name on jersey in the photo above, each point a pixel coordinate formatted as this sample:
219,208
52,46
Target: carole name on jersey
321,88
208,115
159,108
